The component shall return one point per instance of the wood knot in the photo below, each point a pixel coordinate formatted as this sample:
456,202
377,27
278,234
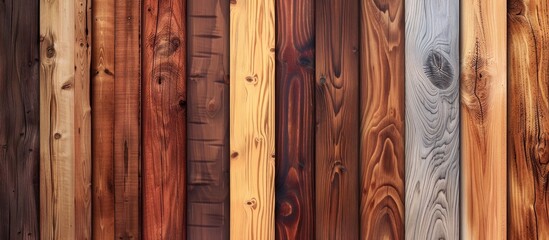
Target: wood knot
251,79
286,209
50,52
66,86
438,69
212,106
57,136
322,79
234,155
182,103
252,203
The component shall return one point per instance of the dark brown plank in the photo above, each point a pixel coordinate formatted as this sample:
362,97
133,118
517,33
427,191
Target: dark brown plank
208,124
295,118
164,110
19,119
337,127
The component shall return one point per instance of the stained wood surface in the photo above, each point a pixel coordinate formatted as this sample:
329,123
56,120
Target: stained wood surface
252,119
528,127
19,119
432,119
337,119
164,110
483,119
127,124
208,124
382,120
295,118
103,105
57,132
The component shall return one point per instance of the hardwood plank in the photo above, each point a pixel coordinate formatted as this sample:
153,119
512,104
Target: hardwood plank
432,119
208,124
483,119
57,132
295,116
382,120
164,110
337,127
19,119
103,105
127,139
528,127
252,119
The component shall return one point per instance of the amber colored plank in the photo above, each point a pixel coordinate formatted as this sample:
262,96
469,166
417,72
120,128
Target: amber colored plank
528,126
337,120
19,119
164,110
208,119
127,74
382,120
252,119
295,119
483,90
57,132
102,91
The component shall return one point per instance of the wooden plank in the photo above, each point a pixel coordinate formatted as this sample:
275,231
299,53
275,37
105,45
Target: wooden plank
528,129
57,153
483,119
164,110
252,119
337,127
19,119
295,118
127,88
432,119
208,124
382,120
103,116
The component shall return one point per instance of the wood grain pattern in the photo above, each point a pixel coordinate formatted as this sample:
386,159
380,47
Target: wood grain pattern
295,119
127,124
528,127
164,110
57,133
337,127
432,119
382,120
483,119
208,124
252,119
19,119
103,105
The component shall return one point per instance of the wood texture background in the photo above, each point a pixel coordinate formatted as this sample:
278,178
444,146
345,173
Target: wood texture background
528,127
19,119
208,119
432,119
252,119
295,118
337,119
483,119
382,120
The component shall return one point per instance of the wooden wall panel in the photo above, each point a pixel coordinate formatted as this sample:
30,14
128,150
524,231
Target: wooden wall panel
432,119
57,132
164,110
528,128
295,119
483,119
252,119
382,120
337,127
208,124
19,113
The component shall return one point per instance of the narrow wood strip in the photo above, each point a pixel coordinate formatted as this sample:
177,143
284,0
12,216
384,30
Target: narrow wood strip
528,130
19,119
57,153
295,118
484,118
382,120
164,110
432,119
252,119
208,119
337,117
